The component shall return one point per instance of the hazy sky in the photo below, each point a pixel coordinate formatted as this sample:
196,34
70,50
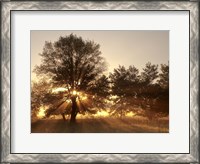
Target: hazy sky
117,47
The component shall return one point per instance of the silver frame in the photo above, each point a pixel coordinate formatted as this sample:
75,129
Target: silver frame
192,7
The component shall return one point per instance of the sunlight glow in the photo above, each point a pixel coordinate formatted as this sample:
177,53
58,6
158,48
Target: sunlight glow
68,101
102,114
84,98
41,112
111,102
113,97
74,92
130,114
56,90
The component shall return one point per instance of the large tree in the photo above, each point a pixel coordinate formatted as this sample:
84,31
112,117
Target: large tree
73,63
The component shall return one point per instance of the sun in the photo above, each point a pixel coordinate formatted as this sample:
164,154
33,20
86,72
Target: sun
74,92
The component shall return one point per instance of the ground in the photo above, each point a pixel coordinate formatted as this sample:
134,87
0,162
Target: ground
101,125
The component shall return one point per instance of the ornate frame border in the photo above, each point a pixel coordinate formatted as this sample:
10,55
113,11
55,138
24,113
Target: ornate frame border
6,8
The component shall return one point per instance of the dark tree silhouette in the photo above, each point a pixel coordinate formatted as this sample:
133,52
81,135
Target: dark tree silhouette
149,74
164,76
125,81
73,63
125,85
147,91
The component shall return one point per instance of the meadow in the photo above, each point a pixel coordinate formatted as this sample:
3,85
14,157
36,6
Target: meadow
102,125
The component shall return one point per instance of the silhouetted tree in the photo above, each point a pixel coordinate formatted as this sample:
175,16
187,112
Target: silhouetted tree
124,81
155,90
164,84
139,91
164,76
125,85
73,63
149,89
149,74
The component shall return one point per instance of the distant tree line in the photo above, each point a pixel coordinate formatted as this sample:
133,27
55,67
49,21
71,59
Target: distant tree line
148,90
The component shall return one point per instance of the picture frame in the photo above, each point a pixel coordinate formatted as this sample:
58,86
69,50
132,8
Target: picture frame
8,7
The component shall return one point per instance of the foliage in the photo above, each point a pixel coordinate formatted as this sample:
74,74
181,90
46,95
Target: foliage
145,93
164,76
41,95
149,74
72,62
101,86
124,81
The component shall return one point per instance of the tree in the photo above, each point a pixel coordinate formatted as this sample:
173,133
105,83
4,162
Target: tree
164,84
164,76
149,74
125,85
73,63
136,91
155,90
124,81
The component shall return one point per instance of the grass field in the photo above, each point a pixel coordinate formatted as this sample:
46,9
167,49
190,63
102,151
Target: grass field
101,125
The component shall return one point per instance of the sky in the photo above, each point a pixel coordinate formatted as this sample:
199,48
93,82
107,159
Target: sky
117,47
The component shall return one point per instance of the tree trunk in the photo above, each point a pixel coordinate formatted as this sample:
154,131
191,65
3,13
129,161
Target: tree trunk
74,110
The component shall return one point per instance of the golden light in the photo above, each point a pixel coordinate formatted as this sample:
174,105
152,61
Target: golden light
109,101
56,90
113,97
84,98
102,114
68,101
41,112
74,92
130,114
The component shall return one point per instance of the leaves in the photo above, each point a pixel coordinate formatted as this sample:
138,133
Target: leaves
125,81
164,76
149,74
72,60
146,90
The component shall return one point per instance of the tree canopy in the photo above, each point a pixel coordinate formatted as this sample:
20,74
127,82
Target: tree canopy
72,62
164,76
